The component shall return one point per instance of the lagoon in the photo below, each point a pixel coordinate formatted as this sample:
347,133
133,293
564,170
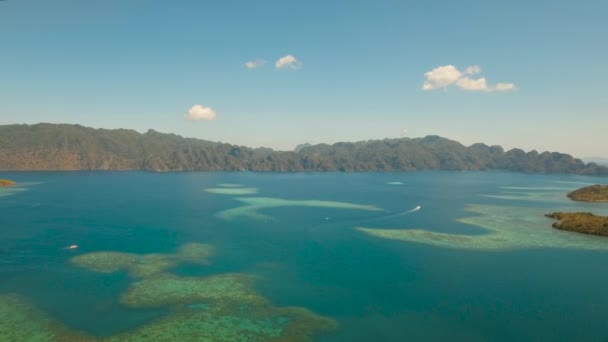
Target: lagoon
276,256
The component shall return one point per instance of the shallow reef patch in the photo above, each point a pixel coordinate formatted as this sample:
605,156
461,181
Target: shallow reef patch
14,189
230,185
21,321
550,193
166,290
10,190
223,307
195,253
218,307
506,228
241,323
252,206
144,265
233,191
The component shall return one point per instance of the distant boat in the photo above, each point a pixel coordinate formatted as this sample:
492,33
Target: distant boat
415,209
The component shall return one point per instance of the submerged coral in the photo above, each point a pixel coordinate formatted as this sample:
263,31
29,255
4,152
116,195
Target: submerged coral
506,228
144,265
11,190
195,253
533,194
243,323
233,191
166,290
223,307
254,204
230,185
15,188
220,307
21,321
8,191
105,262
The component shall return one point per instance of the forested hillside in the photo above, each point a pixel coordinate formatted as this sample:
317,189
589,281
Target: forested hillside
74,147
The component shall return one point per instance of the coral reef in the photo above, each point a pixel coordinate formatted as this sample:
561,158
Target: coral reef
223,307
534,194
506,228
166,290
21,321
585,223
234,191
195,253
245,323
9,191
13,189
229,185
144,265
219,307
105,262
254,204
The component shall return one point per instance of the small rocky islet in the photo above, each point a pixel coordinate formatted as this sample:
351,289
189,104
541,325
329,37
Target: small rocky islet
582,222
593,193
6,182
585,223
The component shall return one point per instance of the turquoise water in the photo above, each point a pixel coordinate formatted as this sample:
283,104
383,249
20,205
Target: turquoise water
307,253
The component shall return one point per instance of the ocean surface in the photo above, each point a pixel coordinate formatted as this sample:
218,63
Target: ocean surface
309,240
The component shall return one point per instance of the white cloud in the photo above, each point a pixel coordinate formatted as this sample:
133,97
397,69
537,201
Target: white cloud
258,63
200,112
289,61
441,77
472,70
504,87
444,76
466,83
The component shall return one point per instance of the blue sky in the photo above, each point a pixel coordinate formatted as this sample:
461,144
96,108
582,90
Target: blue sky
359,71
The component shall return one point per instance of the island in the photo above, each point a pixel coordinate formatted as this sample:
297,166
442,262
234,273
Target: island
593,193
73,147
585,223
6,182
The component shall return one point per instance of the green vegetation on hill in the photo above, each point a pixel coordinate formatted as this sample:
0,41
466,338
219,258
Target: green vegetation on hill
74,147
593,193
585,223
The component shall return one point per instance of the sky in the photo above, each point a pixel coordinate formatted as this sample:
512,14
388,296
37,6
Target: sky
527,74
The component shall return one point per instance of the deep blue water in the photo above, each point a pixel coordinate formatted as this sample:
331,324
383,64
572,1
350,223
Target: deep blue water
378,289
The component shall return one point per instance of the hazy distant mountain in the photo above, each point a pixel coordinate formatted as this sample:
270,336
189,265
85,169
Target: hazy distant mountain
74,147
597,160
301,146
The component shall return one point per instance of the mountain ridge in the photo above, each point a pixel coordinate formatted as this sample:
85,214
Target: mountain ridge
59,147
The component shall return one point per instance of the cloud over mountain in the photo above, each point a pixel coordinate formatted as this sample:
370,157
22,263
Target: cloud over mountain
199,112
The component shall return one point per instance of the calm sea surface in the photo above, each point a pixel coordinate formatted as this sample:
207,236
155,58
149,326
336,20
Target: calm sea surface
311,255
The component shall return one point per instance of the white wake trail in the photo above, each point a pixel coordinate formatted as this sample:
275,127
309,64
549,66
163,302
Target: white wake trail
413,210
